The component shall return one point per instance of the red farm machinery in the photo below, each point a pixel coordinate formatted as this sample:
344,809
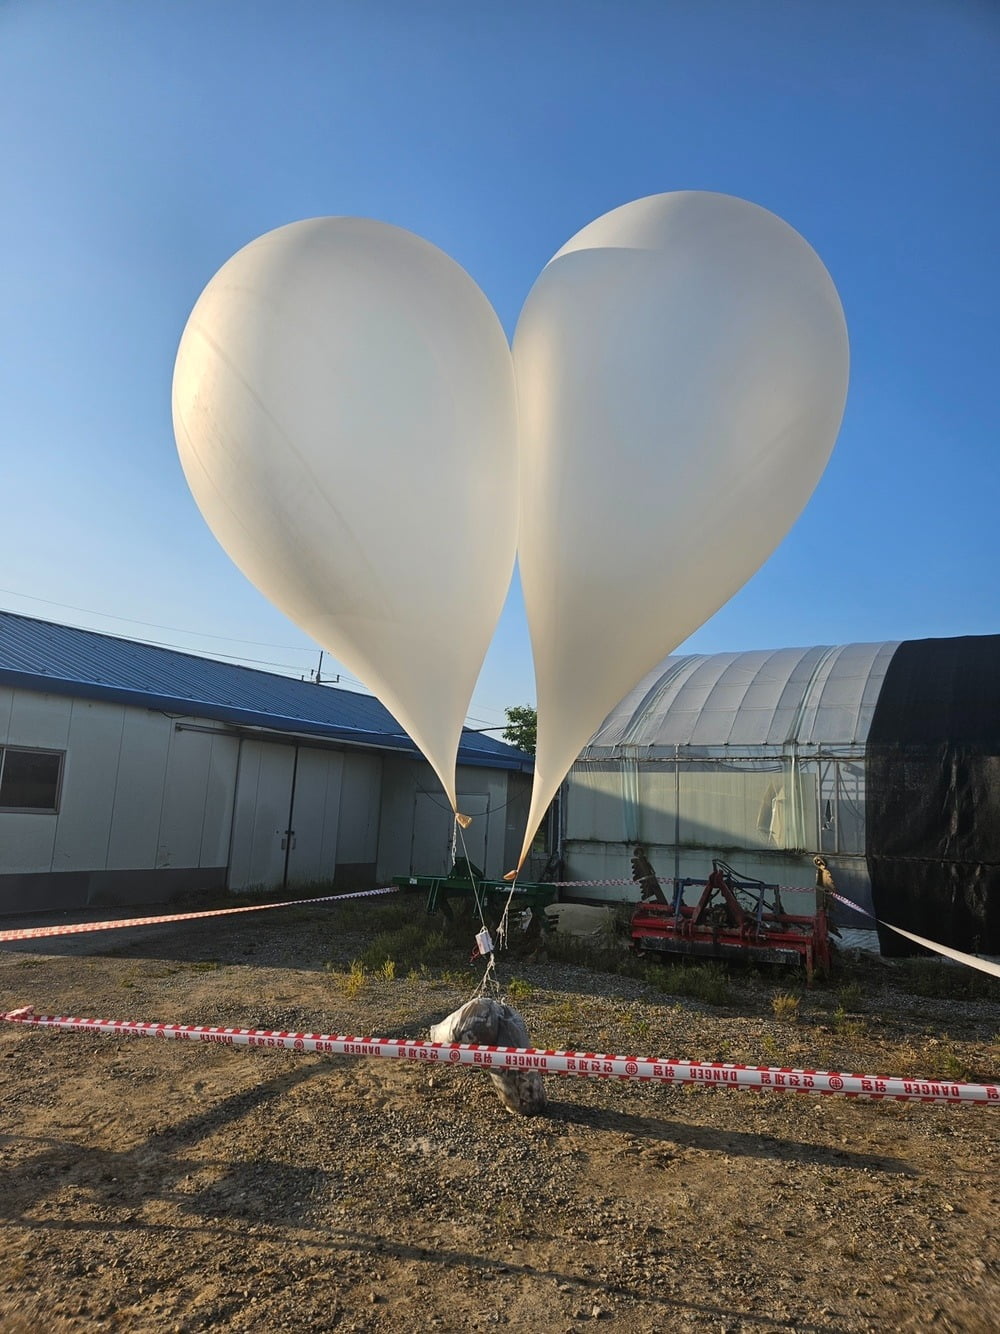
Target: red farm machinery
735,917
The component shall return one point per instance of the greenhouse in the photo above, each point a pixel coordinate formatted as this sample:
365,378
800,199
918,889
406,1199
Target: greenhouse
882,758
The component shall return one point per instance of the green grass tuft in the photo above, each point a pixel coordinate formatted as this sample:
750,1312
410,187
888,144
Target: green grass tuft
786,1006
707,982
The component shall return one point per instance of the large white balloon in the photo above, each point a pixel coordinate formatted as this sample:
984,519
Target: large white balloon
681,368
345,412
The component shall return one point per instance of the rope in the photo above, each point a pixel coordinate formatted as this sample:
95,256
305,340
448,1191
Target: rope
666,880
970,960
78,928
488,981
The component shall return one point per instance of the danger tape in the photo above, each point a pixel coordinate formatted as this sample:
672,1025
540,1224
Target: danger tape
667,880
79,928
82,928
989,966
710,1074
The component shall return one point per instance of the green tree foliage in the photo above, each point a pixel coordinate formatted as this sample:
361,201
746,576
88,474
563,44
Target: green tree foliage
522,727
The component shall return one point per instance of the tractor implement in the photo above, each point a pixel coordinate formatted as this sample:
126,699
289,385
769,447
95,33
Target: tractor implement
735,918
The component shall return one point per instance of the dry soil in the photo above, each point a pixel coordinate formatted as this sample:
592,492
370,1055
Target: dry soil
159,1186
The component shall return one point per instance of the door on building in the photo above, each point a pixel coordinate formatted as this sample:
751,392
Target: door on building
431,850
286,818
261,815
315,816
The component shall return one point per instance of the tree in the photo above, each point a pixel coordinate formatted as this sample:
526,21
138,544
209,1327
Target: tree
522,726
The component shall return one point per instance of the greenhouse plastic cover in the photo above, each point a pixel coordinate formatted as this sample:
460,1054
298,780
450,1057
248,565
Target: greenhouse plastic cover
812,696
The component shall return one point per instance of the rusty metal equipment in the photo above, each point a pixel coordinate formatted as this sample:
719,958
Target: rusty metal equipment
735,917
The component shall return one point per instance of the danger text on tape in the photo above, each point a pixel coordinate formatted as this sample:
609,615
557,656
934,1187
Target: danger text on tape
716,1074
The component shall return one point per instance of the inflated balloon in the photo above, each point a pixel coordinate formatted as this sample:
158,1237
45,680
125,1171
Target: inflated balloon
345,412
681,369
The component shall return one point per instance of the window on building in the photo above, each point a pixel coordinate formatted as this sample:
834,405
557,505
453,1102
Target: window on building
30,779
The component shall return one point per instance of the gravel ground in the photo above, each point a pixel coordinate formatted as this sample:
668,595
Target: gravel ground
156,1186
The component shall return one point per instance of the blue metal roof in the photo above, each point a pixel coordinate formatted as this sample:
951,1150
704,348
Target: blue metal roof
61,659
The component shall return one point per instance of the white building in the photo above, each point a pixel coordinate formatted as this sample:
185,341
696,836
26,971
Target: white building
131,773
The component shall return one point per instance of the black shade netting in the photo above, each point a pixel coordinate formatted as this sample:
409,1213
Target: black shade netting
932,806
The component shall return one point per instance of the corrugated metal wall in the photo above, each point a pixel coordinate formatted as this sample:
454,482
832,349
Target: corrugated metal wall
151,804
136,793
417,822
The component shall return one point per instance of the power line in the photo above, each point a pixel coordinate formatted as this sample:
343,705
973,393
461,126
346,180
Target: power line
238,658
342,676
155,625
201,634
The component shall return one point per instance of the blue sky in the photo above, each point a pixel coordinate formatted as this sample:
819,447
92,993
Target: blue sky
142,144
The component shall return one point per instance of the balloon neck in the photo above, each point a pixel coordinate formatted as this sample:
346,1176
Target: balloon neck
463,821
511,875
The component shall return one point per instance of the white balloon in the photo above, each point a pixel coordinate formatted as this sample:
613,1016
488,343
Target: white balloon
681,369
345,412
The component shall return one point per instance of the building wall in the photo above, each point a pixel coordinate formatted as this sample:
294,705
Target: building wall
151,806
417,822
144,809
515,820
695,804
305,813
360,820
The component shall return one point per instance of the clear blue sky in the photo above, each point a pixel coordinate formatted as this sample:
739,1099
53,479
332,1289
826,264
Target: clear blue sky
143,143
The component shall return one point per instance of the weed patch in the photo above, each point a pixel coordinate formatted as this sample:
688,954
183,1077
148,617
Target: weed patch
785,1006
846,1026
707,982
351,983
945,1063
407,946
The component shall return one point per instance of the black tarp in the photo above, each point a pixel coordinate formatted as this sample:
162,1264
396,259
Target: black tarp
932,805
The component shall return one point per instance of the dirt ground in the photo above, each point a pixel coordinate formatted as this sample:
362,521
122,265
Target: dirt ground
160,1186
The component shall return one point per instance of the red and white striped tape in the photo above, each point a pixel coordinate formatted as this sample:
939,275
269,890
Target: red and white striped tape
990,966
665,880
585,884
714,1074
79,928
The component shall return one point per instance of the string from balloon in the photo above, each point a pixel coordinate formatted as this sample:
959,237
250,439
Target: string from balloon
489,978
502,926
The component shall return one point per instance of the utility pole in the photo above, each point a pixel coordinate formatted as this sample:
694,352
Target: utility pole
318,677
